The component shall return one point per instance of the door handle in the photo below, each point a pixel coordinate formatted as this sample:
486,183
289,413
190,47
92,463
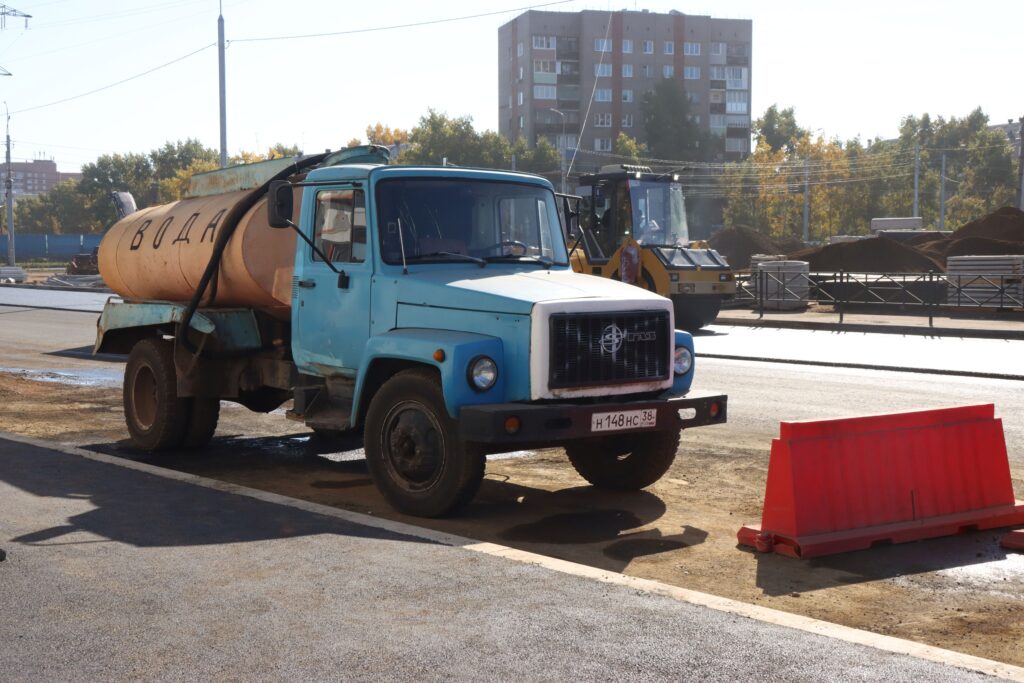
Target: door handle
307,284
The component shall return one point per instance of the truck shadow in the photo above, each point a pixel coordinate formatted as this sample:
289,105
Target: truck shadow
600,528
145,510
778,575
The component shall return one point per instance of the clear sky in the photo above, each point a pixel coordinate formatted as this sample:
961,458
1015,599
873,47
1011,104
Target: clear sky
848,68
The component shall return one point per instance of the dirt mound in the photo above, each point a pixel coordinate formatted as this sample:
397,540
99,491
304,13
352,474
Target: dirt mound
874,255
923,238
983,246
1005,224
739,242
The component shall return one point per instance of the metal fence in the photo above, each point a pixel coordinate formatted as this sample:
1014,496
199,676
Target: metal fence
31,247
929,293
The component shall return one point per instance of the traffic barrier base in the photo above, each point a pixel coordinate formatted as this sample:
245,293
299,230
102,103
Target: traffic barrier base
1014,540
849,484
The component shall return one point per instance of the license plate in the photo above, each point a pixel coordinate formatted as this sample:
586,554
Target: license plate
623,419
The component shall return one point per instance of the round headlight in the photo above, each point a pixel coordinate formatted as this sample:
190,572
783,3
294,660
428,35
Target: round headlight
483,373
683,360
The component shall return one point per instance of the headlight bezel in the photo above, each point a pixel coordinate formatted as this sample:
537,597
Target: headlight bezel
472,373
682,358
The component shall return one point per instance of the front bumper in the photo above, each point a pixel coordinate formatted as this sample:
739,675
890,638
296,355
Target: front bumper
548,424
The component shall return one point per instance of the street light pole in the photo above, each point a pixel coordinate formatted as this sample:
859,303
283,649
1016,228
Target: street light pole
222,90
561,149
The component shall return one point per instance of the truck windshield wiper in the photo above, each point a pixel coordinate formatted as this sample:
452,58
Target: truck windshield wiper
525,258
451,254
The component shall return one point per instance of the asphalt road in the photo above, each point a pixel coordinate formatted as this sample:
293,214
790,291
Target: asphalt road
113,573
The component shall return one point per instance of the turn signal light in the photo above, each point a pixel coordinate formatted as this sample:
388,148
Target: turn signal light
439,355
512,424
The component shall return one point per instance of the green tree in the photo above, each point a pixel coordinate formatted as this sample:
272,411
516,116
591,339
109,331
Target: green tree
64,209
672,132
778,129
626,146
175,156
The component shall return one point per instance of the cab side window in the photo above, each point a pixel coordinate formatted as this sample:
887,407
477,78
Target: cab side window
341,225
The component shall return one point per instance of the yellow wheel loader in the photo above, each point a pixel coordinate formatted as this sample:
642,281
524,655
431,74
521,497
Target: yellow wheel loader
630,224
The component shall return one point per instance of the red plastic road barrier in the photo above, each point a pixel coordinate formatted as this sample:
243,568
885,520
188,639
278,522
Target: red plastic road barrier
1014,540
840,485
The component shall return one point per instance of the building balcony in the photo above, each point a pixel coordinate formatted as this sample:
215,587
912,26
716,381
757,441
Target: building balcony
567,53
717,107
737,60
555,128
568,79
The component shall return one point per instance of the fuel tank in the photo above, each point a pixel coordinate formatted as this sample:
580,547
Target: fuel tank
161,253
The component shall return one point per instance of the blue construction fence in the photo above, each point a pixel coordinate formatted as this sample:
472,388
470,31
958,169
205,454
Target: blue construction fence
30,247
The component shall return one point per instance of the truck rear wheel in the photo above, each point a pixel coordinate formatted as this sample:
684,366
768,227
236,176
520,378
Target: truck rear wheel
202,421
157,418
413,450
627,462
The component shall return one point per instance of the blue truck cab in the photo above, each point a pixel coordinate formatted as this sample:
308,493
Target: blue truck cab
435,310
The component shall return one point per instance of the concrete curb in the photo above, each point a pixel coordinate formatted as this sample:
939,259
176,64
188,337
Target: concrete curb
965,332
864,366
57,288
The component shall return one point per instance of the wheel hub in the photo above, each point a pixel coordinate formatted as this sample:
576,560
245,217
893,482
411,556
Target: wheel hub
412,447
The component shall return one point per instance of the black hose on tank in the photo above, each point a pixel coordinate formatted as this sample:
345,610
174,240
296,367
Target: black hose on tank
231,221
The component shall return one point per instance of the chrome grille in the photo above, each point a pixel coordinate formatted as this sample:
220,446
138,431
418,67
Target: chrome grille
615,347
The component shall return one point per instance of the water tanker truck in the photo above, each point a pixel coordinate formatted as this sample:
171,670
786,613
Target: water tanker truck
432,309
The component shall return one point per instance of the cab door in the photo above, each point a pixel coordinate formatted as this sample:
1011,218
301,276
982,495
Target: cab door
332,309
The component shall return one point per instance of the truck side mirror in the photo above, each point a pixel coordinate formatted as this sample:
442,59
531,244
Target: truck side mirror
280,204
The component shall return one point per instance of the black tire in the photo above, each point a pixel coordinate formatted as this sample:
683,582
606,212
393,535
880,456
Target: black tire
202,421
627,462
413,450
157,418
696,311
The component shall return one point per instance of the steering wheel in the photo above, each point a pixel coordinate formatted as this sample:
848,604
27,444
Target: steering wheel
510,243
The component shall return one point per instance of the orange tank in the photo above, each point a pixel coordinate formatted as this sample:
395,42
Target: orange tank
161,253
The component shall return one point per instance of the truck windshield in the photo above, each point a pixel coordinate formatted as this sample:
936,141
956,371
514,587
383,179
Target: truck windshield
441,219
659,212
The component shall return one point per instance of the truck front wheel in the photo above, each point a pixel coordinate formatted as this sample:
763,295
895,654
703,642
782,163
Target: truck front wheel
413,451
627,462
157,418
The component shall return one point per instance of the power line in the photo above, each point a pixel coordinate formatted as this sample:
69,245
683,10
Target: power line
111,85
397,26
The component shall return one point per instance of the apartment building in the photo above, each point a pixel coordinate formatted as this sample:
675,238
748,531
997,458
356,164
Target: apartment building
551,63
35,177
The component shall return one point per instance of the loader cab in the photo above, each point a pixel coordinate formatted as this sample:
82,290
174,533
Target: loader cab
631,203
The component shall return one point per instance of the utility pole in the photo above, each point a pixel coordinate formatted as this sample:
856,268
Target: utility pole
9,197
223,96
807,203
1020,162
942,194
917,174
561,148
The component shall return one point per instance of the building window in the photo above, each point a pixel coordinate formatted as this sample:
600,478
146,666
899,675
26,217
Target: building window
717,121
603,95
627,47
519,49
602,70
602,144
736,102
717,49
519,98
543,66
691,73
648,47
568,68
602,45
520,74
627,120
627,71
602,120
735,145
627,95
691,49
734,121
694,97
646,70
717,97
669,47
736,78
716,73
520,123
544,42
544,92
668,71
